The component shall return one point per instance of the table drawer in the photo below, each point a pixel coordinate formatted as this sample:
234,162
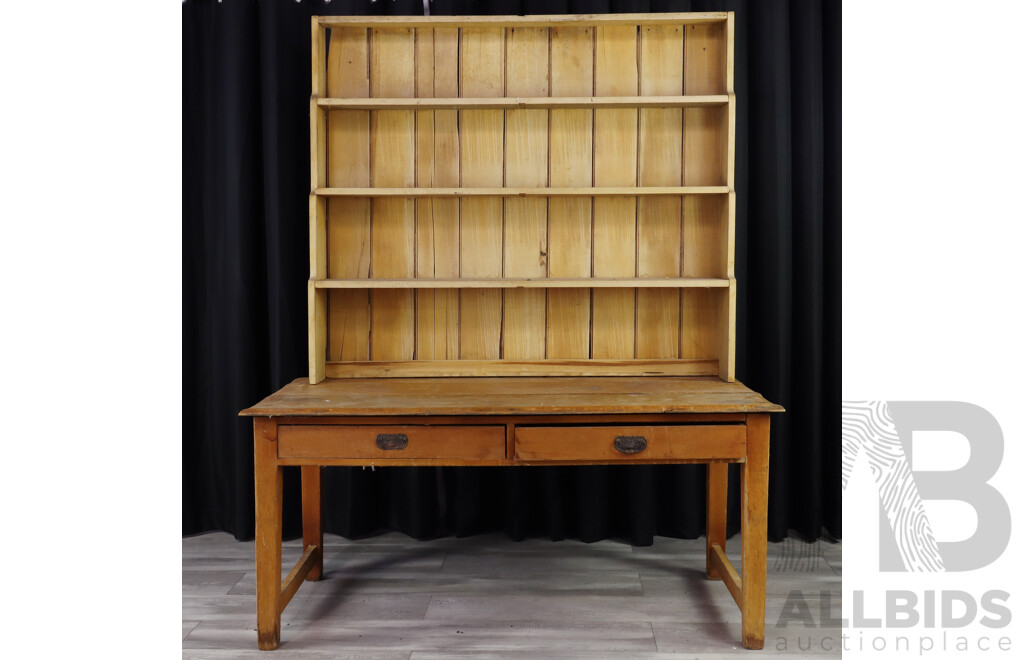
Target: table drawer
393,442
630,443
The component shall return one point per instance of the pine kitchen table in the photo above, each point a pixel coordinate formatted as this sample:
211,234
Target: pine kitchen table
511,421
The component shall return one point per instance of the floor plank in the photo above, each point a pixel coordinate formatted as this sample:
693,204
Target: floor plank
209,583
713,604
623,583
716,637
431,636
589,655
312,654
312,605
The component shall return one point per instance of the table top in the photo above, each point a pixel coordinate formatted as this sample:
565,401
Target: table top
511,395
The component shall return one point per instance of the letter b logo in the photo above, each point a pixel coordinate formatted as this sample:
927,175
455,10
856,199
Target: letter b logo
883,431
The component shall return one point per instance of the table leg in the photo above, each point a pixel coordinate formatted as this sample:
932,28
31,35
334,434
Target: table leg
717,507
754,484
312,517
269,490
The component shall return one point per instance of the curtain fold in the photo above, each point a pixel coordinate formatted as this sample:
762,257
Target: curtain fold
245,265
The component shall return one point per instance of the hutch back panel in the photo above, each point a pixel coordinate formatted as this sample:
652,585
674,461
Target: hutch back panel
503,196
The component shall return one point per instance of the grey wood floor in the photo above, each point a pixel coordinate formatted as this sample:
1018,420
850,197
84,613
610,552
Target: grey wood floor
390,597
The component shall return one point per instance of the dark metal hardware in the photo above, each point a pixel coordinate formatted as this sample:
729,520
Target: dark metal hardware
630,444
387,441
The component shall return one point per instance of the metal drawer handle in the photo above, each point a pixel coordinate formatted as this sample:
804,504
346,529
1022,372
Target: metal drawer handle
387,441
631,444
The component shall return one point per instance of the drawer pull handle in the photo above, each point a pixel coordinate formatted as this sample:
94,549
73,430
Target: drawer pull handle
630,444
387,441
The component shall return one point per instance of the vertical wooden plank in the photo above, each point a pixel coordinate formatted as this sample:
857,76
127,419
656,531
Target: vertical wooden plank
705,220
312,518
754,529
701,310
727,334
704,129
704,255
730,45
269,490
727,316
717,508
317,301
317,323
348,219
569,218
481,159
318,53
392,164
526,150
658,218
615,164
437,220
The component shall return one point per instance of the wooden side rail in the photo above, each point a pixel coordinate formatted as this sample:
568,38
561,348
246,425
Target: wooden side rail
298,573
724,568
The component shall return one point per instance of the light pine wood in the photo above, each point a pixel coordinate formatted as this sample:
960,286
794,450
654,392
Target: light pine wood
440,442
717,509
392,163
659,219
754,528
437,219
727,339
506,419
348,225
545,204
594,394
570,163
317,237
723,567
624,101
615,164
705,129
705,225
481,131
553,192
536,443
727,315
299,572
317,301
526,165
706,245
688,18
269,489
318,161
312,517
514,283
701,327
317,324
379,369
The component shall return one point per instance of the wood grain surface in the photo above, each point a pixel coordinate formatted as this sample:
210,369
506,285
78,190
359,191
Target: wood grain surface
527,395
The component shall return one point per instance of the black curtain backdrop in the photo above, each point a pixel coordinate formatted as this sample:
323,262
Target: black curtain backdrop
245,188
